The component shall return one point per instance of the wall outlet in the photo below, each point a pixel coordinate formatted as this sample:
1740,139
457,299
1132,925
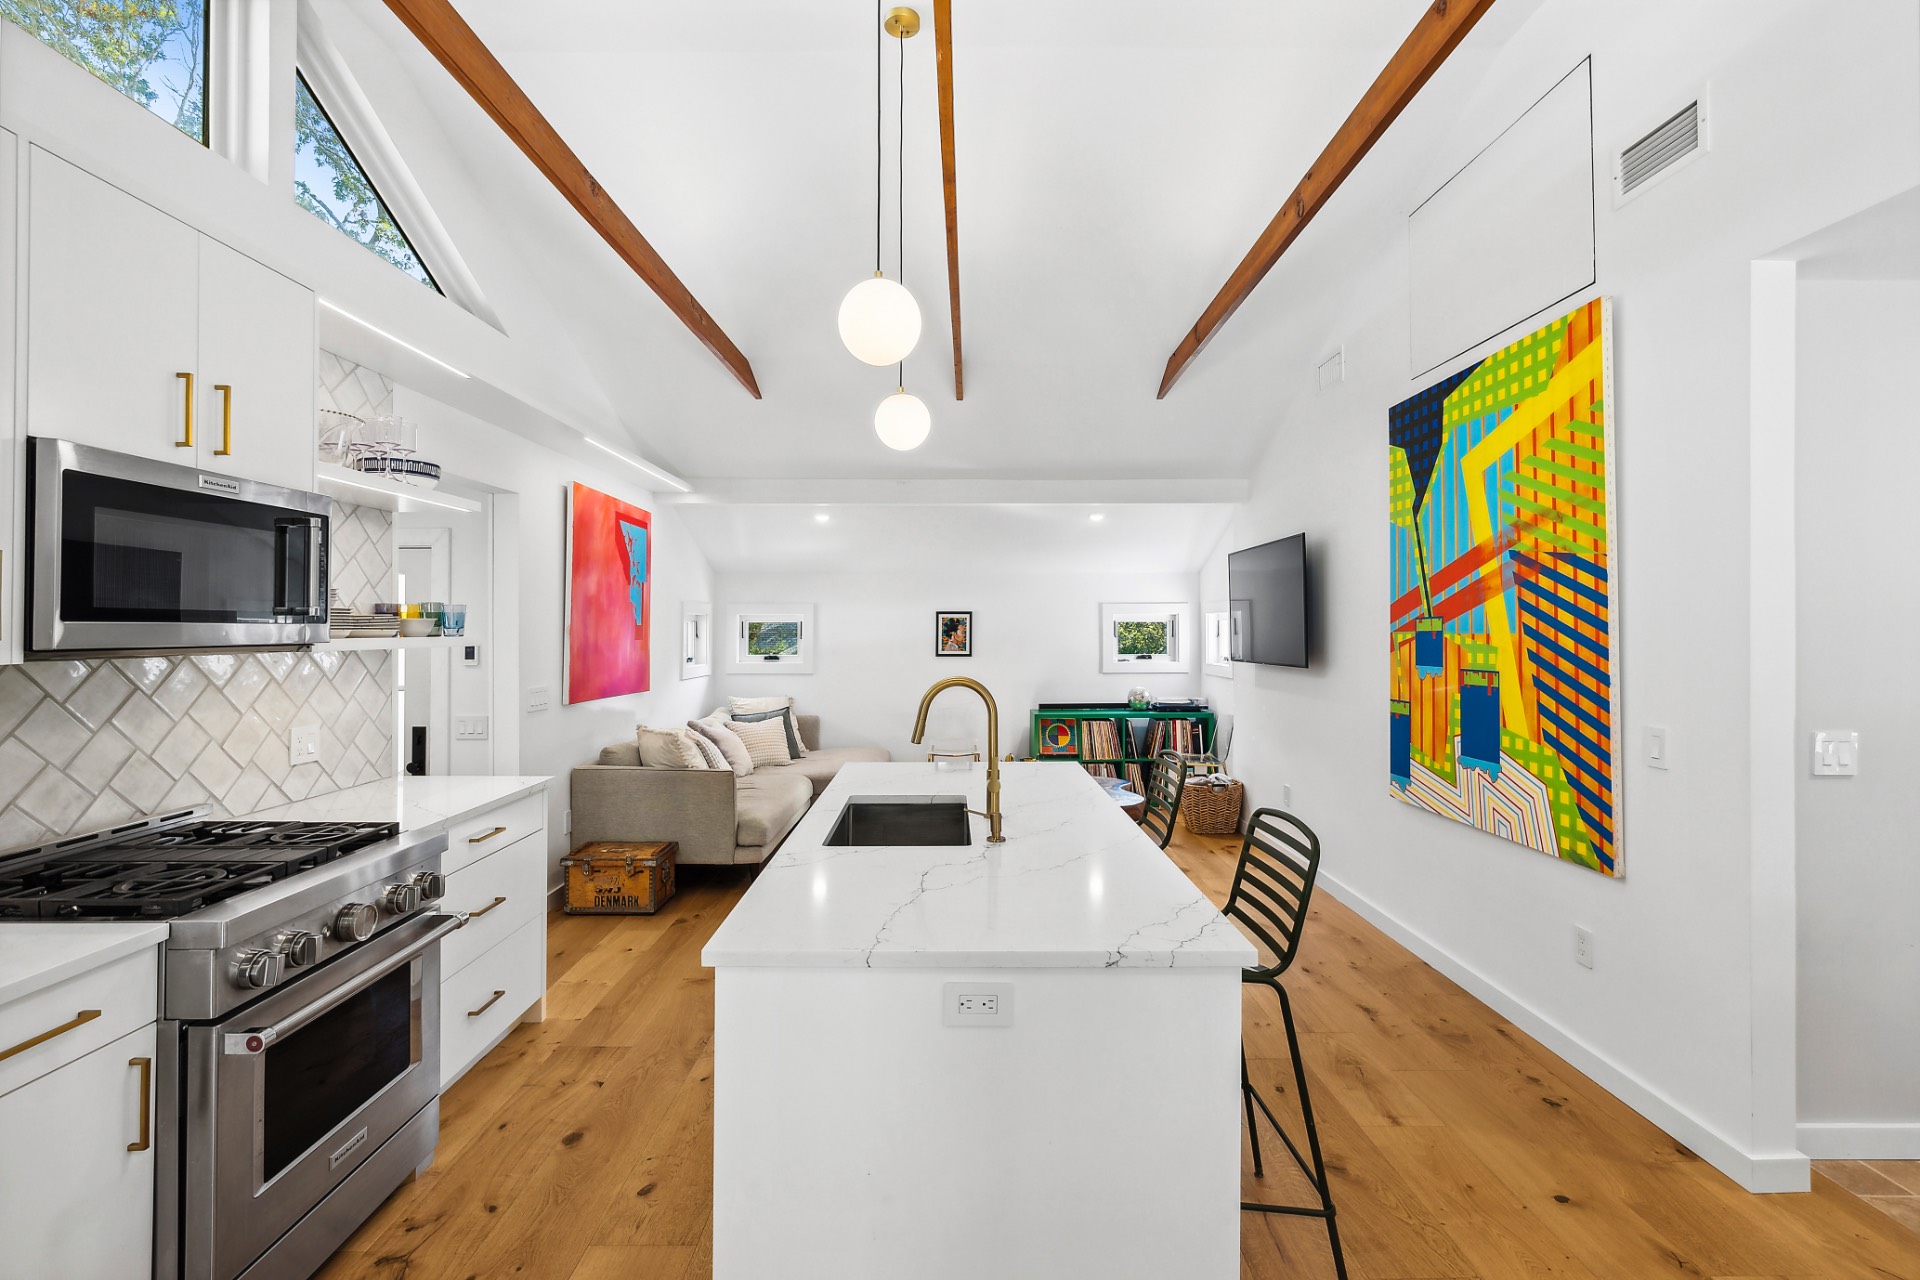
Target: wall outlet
303,744
472,728
1286,798
1836,753
976,1004
1583,947
539,697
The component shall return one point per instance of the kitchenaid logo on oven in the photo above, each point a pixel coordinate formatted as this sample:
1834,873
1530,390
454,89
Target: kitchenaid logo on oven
352,1145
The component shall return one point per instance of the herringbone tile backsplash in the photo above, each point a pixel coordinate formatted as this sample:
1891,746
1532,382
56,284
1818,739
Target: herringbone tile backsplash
87,743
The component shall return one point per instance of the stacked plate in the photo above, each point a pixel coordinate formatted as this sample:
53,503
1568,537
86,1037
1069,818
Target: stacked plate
350,623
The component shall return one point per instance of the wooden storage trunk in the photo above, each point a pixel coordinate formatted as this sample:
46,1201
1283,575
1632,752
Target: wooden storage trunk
610,879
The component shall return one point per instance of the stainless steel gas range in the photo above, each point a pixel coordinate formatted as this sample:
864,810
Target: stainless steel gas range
299,1065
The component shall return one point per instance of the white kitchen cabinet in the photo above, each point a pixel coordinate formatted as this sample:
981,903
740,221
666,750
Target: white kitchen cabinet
76,1172
113,289
493,973
256,364
143,334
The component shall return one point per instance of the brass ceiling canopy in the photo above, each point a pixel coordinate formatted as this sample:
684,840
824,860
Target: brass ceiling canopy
902,23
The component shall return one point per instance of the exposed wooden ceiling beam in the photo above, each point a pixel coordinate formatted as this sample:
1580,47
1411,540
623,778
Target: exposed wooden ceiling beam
943,64
1440,30
448,38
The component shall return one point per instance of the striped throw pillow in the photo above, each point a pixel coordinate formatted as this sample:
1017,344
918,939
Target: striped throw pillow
766,741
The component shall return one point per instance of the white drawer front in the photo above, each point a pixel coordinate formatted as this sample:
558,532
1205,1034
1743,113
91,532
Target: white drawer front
472,839
94,1008
499,893
483,1001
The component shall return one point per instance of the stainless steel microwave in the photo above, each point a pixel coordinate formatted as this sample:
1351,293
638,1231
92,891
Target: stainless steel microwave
128,554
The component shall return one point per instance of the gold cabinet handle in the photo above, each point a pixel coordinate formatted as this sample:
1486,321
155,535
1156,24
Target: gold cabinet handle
186,440
79,1019
475,915
226,420
146,1107
491,1001
482,839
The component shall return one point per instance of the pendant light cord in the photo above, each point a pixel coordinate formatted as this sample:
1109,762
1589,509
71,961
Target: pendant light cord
900,186
879,186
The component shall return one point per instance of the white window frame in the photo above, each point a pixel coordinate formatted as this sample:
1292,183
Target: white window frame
696,639
798,664
1175,613
1216,639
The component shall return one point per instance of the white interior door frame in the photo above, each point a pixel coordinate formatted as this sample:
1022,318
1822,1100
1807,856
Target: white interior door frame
437,543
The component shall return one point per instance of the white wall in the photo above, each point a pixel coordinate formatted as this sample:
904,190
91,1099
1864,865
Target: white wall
533,528
1859,879
1666,1018
1036,638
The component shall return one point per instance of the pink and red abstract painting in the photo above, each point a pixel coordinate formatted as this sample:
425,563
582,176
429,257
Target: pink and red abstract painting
609,596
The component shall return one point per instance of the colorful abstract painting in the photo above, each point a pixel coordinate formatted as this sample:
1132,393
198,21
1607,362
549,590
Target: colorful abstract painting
609,596
1503,705
1059,738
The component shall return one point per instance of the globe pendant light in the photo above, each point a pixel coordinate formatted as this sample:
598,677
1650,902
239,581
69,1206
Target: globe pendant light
902,421
879,319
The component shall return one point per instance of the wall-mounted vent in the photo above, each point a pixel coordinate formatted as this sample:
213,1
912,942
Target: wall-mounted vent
1675,139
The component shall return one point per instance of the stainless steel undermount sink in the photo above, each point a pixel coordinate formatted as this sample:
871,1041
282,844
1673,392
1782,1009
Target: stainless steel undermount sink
902,820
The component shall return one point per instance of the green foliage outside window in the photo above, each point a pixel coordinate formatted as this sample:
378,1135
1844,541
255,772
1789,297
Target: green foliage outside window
1141,639
776,639
154,51
330,184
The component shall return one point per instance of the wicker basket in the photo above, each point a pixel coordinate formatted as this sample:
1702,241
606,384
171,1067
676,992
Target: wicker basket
1209,810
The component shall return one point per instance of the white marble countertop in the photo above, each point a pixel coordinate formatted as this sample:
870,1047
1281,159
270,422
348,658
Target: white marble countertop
1076,885
35,955
426,804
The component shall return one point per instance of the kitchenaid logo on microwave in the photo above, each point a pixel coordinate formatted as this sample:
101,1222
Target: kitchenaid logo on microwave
220,484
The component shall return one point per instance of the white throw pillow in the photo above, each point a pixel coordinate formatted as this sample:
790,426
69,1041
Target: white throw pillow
716,730
668,749
766,740
708,751
755,708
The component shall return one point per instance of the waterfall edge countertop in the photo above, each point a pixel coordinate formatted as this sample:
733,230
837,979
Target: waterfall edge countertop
1076,885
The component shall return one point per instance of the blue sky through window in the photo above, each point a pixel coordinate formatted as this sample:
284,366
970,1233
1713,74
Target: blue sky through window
154,51
330,184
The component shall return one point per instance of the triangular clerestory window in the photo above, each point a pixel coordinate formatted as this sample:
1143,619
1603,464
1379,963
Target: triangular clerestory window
330,184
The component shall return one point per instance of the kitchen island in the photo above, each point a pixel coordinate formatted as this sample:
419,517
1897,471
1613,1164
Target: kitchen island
977,1060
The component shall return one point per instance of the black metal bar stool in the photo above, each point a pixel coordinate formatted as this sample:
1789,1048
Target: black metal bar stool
1165,785
1271,889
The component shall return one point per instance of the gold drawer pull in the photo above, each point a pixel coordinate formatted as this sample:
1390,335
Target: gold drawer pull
481,839
491,1001
475,915
186,442
79,1019
226,420
146,1114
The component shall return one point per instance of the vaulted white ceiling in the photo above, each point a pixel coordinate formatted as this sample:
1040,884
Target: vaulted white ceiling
1115,162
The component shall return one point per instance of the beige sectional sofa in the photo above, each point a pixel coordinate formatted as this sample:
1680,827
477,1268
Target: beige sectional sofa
715,817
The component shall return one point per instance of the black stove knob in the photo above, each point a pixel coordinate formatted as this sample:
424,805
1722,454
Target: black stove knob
354,922
431,884
261,968
301,948
401,899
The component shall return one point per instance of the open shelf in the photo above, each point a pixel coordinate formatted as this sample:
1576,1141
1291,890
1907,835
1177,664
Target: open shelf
398,642
364,490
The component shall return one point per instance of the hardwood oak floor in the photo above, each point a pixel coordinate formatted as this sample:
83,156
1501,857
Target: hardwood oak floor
581,1148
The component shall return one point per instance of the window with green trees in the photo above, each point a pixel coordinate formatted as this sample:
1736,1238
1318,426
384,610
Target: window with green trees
154,51
330,184
1140,639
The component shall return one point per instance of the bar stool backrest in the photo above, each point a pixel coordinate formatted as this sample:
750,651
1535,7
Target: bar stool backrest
1164,787
1274,882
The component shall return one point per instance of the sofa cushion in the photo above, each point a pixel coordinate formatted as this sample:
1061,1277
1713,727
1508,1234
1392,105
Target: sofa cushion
766,741
819,766
621,753
668,749
785,716
761,708
708,750
716,730
766,805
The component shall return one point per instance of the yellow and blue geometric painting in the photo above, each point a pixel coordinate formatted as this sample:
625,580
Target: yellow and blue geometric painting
1503,702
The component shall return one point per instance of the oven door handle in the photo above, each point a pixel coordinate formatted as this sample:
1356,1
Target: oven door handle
256,1040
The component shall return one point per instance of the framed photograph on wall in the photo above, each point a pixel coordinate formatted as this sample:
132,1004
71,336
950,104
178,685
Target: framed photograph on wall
953,634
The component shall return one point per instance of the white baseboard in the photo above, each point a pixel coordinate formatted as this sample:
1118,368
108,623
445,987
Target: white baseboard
1860,1141
1760,1172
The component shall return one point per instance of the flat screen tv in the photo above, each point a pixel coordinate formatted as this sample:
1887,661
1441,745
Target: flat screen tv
1267,590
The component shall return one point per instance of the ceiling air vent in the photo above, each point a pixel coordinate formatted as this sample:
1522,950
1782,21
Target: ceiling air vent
1675,139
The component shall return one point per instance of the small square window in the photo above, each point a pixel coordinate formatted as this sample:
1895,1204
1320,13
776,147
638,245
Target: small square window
1142,637
1217,634
772,638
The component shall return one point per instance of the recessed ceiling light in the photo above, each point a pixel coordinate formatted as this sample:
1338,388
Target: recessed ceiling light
821,517
1097,516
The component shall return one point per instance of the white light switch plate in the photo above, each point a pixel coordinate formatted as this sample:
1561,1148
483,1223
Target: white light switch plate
473,728
976,1004
1836,753
303,744
539,697
1659,748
